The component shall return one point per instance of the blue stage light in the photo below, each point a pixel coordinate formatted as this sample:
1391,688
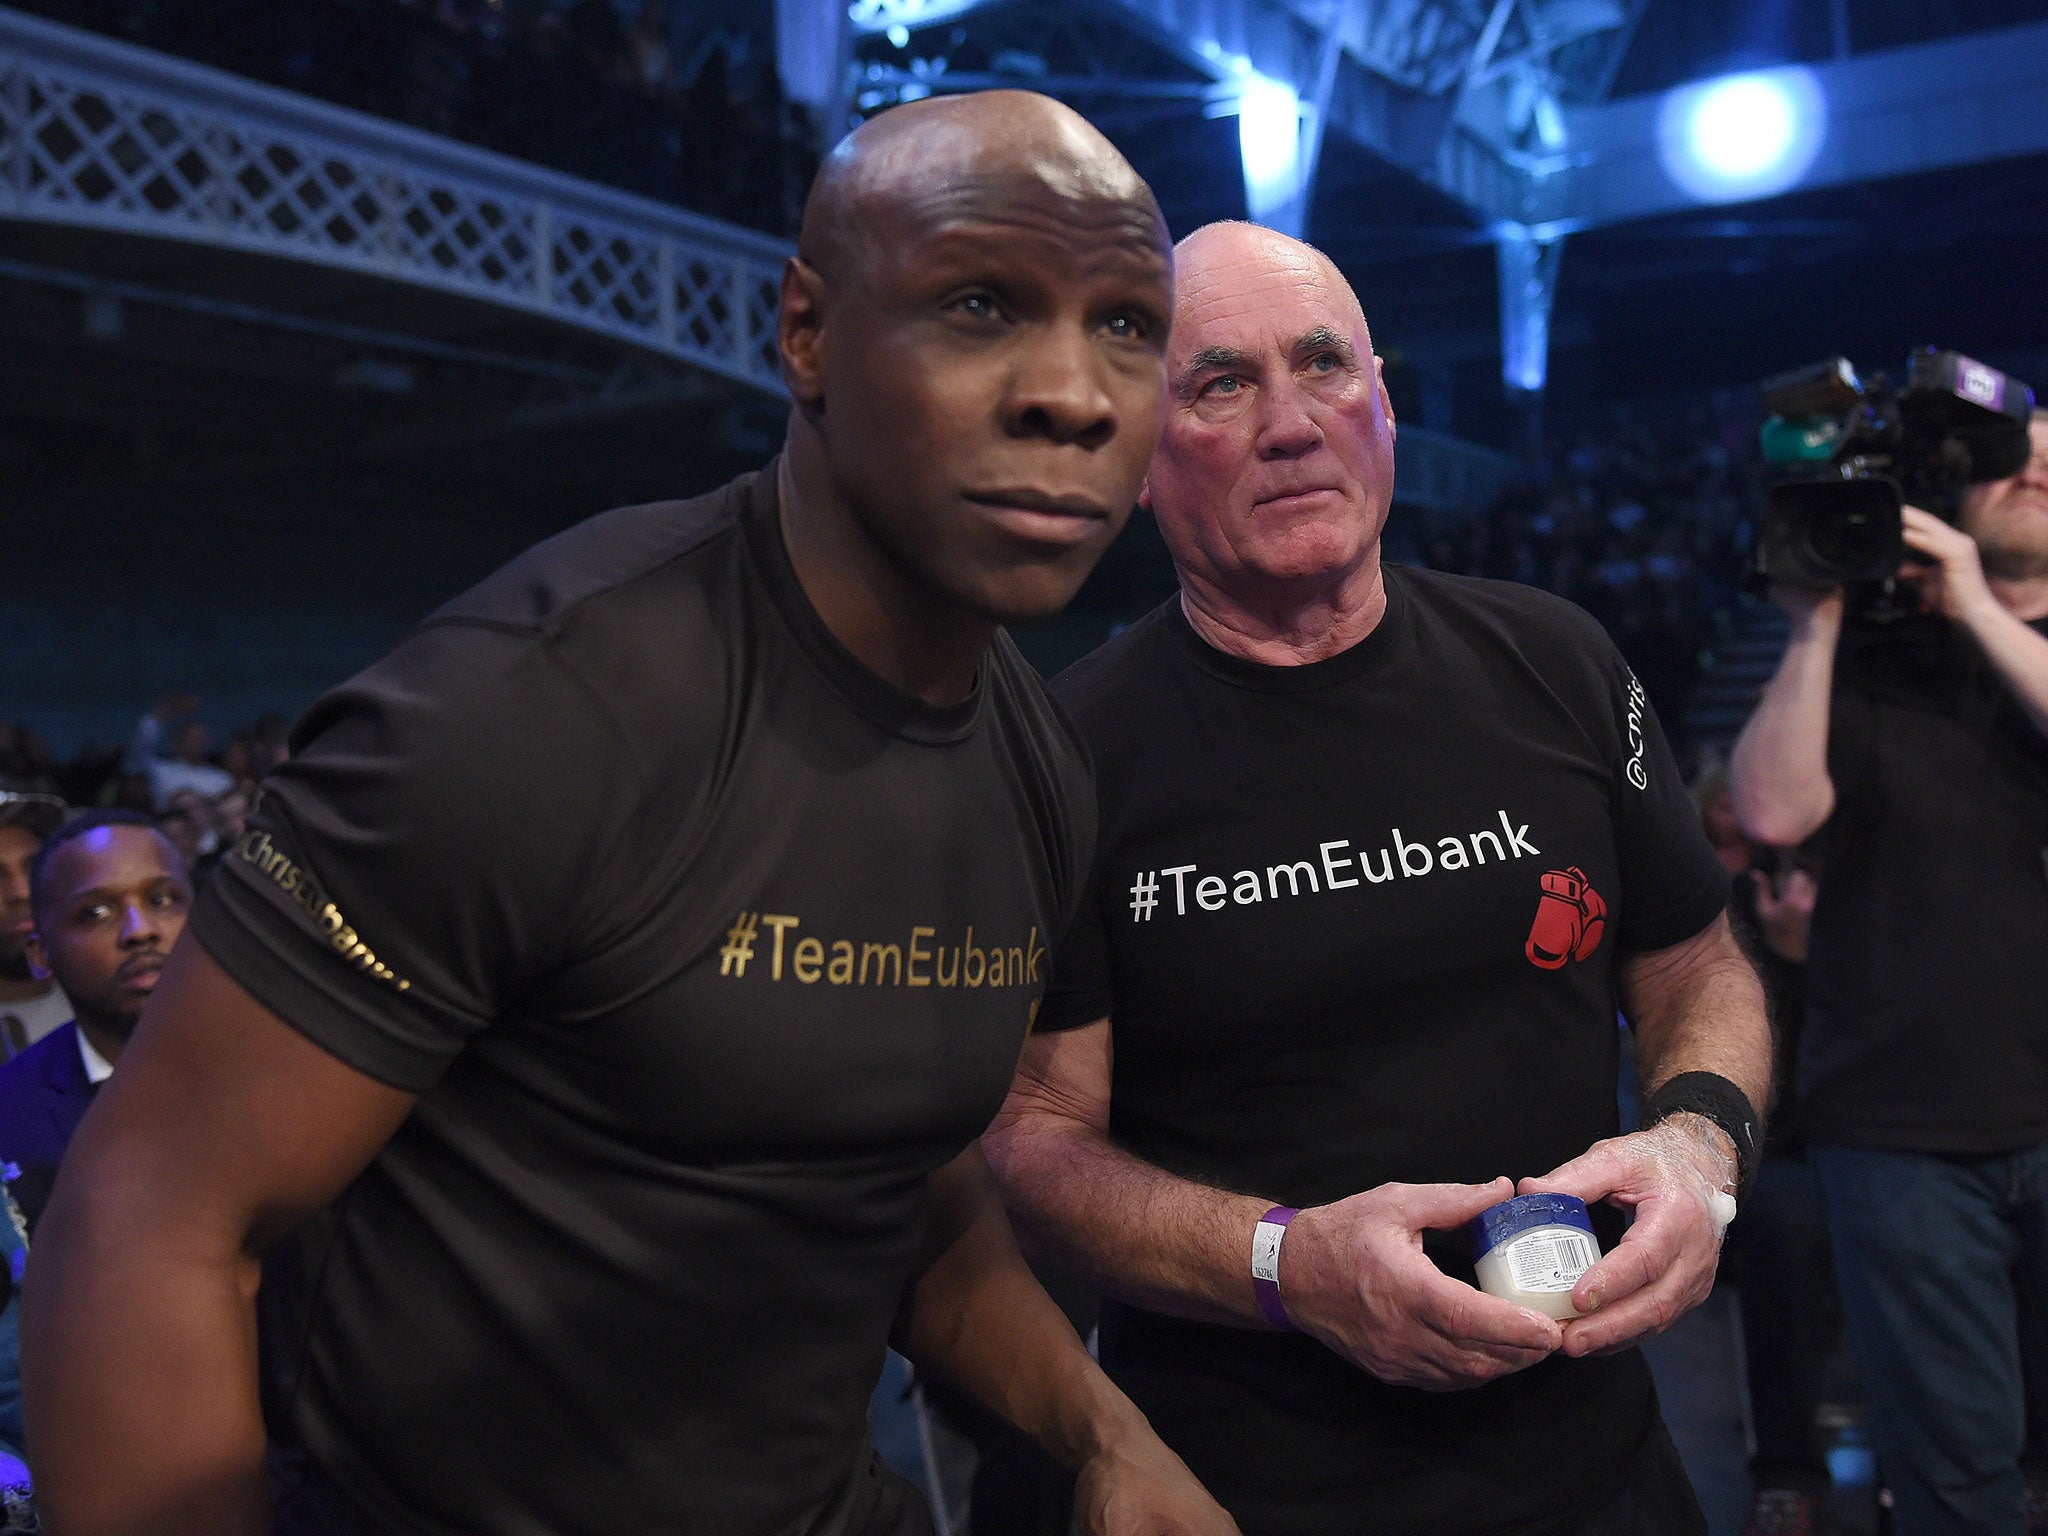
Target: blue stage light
1269,142
1742,136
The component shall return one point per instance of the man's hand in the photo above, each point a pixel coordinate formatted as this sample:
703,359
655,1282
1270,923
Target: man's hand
1784,911
1143,1489
1951,581
976,1316
1664,1266
1353,1274
1952,584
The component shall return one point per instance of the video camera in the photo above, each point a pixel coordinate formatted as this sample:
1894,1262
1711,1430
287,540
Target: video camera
1853,452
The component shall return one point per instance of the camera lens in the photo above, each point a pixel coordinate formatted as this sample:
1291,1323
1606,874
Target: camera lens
1845,538
1832,532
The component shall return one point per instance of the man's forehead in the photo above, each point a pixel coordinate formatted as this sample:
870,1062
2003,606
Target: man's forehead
1011,199
106,854
1258,297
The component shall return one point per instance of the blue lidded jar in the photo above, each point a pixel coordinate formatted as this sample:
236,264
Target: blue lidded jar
1532,1249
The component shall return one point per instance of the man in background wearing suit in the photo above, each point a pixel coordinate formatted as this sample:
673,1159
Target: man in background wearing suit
109,895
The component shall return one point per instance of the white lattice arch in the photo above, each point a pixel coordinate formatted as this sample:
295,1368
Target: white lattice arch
99,134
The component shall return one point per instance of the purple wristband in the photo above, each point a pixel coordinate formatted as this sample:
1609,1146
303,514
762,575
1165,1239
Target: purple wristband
1266,1264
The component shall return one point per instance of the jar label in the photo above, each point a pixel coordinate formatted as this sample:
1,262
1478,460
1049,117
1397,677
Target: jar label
1549,1261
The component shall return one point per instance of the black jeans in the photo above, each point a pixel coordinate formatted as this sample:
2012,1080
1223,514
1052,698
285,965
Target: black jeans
1779,1245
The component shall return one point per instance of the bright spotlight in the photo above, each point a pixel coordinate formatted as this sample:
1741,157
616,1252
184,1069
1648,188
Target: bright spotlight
1742,136
1269,141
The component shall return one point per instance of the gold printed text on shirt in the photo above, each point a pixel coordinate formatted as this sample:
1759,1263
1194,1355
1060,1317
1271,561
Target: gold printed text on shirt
256,850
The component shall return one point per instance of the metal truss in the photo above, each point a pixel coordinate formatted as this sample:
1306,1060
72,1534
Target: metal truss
881,15
98,134
1081,54
1468,95
1565,48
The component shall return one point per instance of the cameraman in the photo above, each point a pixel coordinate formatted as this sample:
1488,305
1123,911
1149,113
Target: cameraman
1918,749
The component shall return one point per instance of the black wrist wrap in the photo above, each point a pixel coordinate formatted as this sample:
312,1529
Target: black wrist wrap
1712,1095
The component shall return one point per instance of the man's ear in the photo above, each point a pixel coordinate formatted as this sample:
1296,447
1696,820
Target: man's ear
38,962
800,331
1379,374
1145,493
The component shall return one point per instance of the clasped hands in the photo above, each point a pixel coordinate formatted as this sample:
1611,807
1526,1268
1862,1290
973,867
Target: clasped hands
1353,1273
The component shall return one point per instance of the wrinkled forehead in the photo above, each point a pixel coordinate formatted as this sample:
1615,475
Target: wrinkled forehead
1078,213
1026,200
1258,296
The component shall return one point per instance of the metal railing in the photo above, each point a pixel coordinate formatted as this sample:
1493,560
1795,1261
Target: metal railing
95,133
98,134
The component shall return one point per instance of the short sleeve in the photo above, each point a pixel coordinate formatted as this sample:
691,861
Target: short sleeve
416,864
1673,884
1078,989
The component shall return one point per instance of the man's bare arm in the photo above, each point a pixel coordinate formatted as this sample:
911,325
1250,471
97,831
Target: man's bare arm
978,1317
223,1128
1778,773
1352,1273
1695,1007
1699,1007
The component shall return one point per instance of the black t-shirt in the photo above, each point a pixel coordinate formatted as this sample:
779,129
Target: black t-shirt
1927,967
703,948
1357,921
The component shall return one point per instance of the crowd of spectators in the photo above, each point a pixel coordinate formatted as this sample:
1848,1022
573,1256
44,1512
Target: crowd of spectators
571,84
169,770
1649,527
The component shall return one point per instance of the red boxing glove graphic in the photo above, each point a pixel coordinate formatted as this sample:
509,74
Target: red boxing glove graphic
1570,920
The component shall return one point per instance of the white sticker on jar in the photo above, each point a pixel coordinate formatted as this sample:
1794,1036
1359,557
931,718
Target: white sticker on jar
1549,1261
1533,1250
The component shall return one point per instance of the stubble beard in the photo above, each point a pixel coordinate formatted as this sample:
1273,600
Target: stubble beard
2015,545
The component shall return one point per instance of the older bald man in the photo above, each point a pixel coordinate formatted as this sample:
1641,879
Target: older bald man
610,989
1381,852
